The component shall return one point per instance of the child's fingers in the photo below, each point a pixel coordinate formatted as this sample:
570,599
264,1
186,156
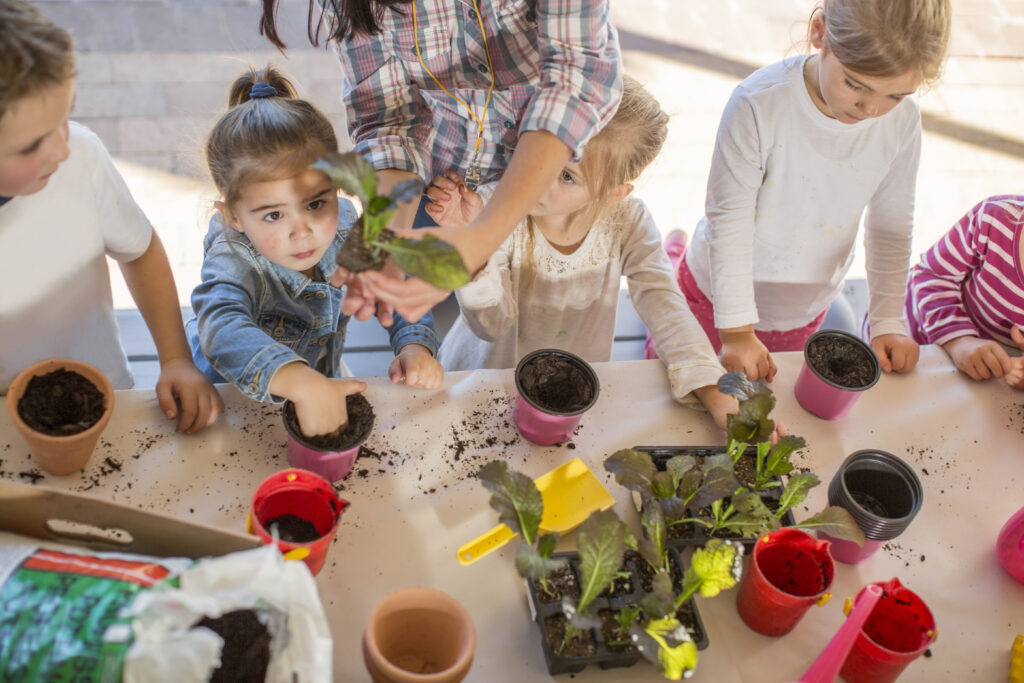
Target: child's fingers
772,368
883,356
190,408
997,362
165,399
1017,335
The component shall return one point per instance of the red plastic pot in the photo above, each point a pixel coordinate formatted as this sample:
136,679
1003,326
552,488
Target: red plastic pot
898,630
789,571
1010,545
306,496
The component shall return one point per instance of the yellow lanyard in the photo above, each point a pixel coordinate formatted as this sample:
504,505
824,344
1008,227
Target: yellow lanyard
473,173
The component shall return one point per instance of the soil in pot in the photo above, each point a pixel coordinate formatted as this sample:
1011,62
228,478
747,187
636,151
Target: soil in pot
614,639
293,529
841,361
360,422
646,571
60,403
246,653
582,643
621,585
556,383
561,583
357,256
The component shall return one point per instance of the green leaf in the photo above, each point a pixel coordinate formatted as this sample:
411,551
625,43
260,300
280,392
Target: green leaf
664,486
678,466
673,508
796,491
632,469
736,384
714,568
351,173
533,563
430,259
689,485
405,191
601,545
719,482
515,497
667,644
836,522
546,544
653,522
660,601
778,462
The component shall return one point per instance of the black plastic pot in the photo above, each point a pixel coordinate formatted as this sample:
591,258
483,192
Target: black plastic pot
695,534
604,655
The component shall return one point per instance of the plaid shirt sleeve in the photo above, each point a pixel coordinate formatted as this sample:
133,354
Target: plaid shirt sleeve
580,72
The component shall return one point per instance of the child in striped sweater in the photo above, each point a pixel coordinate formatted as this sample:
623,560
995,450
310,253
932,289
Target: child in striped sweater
967,293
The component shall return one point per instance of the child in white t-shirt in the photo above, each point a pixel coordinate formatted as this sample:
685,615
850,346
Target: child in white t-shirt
63,209
805,149
554,283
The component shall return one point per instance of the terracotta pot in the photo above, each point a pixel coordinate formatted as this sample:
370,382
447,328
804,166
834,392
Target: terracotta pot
60,455
419,635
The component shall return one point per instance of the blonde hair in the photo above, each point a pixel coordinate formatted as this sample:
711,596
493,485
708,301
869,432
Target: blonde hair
35,53
265,138
887,38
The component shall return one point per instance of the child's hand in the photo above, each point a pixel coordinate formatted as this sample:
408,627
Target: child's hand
979,358
742,351
416,367
1015,377
182,384
320,404
452,203
721,406
896,352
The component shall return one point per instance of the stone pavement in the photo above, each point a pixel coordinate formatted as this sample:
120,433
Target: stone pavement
153,74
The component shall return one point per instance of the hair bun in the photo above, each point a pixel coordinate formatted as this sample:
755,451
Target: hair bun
261,89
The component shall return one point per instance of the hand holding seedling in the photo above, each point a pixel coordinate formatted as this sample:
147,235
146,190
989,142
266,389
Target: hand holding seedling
743,352
453,204
896,352
979,358
416,367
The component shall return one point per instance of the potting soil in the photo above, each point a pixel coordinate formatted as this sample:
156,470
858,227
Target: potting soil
556,384
360,422
60,403
841,361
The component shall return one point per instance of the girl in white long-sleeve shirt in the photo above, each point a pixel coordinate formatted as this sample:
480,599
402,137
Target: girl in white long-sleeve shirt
555,281
806,148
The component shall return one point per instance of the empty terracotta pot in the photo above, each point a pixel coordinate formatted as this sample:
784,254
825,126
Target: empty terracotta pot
60,455
419,635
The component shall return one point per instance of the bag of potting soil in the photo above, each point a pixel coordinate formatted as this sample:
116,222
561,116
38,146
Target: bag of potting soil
71,615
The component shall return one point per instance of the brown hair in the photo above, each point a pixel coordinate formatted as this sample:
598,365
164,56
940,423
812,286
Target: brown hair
265,138
35,53
343,18
888,37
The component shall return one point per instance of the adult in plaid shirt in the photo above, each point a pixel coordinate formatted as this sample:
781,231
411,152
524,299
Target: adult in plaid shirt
556,70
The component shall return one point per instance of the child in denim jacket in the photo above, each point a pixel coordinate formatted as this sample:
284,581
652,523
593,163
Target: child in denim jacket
267,320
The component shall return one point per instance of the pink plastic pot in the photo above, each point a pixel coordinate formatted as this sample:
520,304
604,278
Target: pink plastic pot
789,571
304,495
821,396
332,465
849,552
539,372
1010,545
898,630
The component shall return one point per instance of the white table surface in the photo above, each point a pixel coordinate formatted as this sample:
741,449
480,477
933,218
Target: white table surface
416,502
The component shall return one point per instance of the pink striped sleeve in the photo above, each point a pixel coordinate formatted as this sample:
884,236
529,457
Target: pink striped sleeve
935,287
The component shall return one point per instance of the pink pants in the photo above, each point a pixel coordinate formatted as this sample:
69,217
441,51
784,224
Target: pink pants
704,311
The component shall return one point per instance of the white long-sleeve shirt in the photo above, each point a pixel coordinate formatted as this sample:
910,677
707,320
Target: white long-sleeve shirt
531,296
786,192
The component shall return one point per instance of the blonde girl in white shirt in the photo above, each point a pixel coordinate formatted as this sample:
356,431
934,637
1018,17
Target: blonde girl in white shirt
554,283
806,148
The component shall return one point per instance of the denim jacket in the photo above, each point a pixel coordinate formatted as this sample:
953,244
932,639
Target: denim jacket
252,316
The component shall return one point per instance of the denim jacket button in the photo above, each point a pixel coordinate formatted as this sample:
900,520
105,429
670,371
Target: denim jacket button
278,331
321,295
252,388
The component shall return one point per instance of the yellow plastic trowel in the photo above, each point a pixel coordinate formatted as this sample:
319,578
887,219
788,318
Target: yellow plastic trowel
570,493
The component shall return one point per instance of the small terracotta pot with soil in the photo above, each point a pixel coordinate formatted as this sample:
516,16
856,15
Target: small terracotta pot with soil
837,367
555,388
356,255
61,407
329,455
419,635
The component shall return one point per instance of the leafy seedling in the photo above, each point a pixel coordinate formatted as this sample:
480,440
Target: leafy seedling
370,242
